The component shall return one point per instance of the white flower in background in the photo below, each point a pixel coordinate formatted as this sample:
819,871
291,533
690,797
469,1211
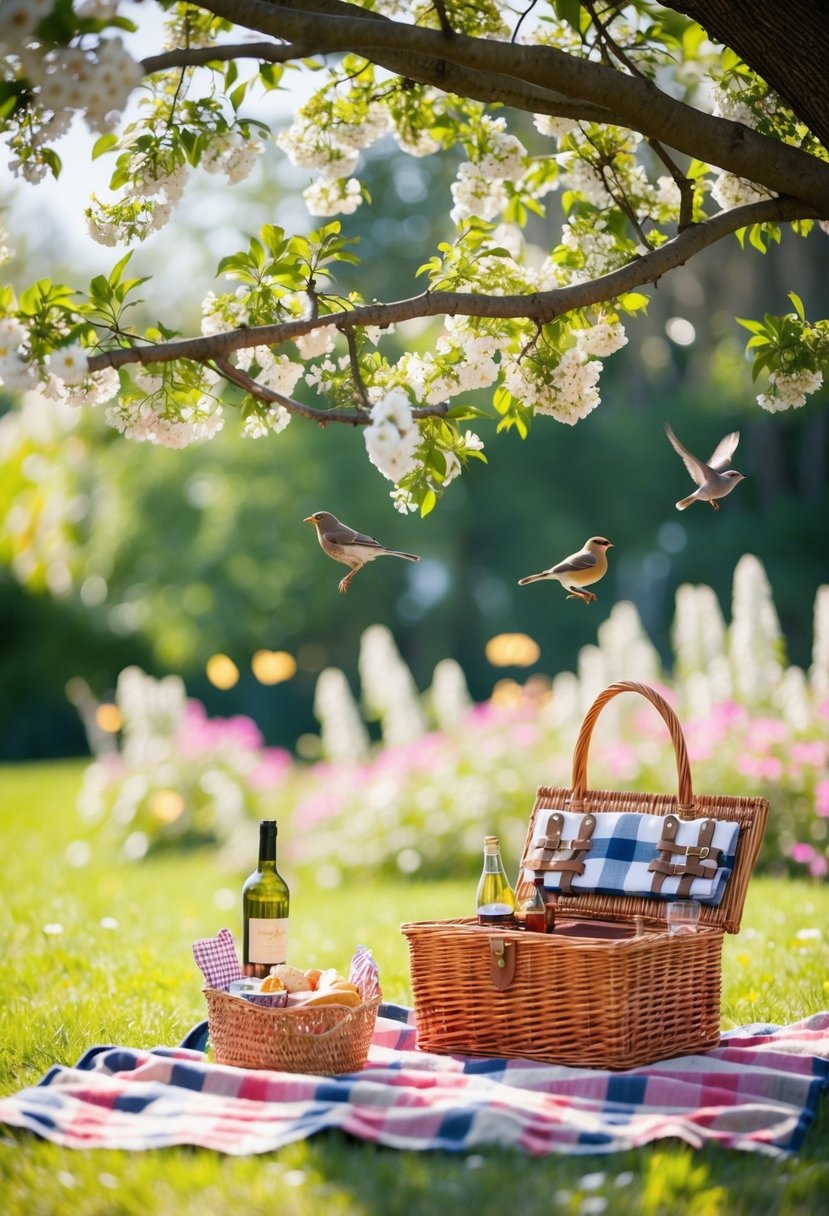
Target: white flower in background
342,731
69,364
20,18
791,390
340,196
13,335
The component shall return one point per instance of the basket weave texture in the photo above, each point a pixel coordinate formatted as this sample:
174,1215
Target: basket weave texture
323,1040
594,993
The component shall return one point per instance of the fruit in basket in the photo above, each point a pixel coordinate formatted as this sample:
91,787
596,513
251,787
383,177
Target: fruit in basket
272,983
291,978
312,975
331,996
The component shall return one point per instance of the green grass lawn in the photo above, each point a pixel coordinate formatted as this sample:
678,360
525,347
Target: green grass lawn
101,954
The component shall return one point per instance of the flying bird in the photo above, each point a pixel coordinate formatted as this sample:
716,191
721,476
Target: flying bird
714,479
578,570
351,548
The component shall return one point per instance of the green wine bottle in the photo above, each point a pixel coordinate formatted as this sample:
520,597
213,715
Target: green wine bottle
265,906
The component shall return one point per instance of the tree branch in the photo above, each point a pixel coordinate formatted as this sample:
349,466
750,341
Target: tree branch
542,306
489,87
198,56
270,397
638,102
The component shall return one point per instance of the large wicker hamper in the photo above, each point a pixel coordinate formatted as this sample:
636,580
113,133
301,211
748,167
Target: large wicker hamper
610,988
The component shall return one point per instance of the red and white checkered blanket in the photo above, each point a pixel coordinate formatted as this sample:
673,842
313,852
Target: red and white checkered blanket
758,1091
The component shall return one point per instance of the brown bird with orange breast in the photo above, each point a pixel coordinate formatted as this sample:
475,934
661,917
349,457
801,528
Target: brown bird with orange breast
352,548
578,570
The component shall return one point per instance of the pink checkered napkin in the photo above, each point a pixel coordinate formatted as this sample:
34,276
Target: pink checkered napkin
216,958
364,974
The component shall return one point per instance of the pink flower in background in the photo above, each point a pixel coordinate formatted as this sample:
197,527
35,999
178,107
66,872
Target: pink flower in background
818,866
197,733
769,768
814,753
726,715
763,732
273,766
524,734
822,798
620,760
802,852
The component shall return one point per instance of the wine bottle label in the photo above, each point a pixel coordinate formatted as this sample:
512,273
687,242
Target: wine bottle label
268,939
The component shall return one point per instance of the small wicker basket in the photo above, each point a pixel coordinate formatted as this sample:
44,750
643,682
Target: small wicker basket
323,1040
595,993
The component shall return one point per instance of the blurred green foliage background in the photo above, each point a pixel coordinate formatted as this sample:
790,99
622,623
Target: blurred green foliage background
163,558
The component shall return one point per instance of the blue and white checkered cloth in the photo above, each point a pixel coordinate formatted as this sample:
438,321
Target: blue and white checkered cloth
624,844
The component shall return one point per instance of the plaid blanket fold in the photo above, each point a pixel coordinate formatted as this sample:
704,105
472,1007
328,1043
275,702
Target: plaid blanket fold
758,1091
622,846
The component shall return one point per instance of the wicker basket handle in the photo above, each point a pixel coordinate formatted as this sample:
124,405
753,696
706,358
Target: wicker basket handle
685,801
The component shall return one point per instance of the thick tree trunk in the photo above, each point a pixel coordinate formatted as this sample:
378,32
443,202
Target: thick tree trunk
785,43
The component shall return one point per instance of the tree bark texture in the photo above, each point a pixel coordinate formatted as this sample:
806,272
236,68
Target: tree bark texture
785,43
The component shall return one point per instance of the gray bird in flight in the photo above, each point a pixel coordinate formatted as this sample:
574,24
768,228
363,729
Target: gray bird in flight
714,479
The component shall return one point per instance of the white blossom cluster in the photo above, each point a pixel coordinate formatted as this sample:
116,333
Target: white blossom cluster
233,154
393,437
790,390
145,422
17,372
220,314
67,366
556,128
567,392
592,251
316,342
276,372
434,380
730,191
93,80
332,149
479,186
602,339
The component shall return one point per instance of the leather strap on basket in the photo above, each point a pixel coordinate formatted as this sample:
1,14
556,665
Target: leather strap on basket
698,860
685,798
503,962
550,844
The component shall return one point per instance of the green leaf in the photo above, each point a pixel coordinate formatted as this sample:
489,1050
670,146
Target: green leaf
755,327
634,301
238,95
428,503
103,144
798,304
569,11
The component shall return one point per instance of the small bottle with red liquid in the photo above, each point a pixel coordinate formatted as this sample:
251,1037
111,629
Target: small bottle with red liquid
534,908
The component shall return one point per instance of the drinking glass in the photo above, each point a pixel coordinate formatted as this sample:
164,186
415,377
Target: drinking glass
683,916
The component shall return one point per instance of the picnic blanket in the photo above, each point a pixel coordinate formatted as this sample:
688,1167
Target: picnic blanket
757,1091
